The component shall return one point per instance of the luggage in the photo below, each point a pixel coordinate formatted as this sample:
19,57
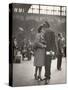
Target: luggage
18,59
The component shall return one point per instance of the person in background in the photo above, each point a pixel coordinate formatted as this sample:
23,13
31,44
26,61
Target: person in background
15,48
29,50
18,57
24,49
39,53
64,46
60,45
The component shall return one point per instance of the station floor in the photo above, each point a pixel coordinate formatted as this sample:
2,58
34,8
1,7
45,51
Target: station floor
23,73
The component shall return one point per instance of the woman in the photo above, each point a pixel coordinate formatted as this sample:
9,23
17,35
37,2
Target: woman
39,52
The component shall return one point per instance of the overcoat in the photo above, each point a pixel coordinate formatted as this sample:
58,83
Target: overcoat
39,52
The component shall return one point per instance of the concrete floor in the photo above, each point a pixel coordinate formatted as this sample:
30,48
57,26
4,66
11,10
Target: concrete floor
23,74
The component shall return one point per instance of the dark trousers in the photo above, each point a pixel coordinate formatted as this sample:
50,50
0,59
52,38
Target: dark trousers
29,55
48,67
59,61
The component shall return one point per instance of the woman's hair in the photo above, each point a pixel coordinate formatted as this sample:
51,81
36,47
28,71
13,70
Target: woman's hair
46,24
39,29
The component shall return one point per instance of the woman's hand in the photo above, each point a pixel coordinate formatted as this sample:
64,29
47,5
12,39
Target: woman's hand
52,53
44,46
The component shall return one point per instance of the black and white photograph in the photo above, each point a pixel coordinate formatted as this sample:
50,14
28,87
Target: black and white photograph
37,44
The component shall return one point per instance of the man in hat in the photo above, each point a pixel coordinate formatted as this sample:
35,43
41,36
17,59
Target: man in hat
49,51
60,51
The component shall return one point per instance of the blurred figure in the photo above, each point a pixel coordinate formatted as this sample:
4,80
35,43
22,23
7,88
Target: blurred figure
15,47
18,58
24,49
64,46
29,50
15,42
60,45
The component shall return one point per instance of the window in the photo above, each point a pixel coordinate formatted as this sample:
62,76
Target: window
34,9
49,10
64,11
56,10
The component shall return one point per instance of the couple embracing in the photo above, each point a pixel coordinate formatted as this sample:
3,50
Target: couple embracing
44,48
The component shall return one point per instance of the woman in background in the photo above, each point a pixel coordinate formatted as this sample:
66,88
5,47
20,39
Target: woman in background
39,53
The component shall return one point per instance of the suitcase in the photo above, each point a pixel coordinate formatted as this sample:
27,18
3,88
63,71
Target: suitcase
18,59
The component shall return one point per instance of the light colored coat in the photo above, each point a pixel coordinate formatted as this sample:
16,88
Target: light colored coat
39,52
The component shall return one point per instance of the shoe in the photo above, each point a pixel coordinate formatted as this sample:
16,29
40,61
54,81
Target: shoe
39,78
36,78
59,69
47,81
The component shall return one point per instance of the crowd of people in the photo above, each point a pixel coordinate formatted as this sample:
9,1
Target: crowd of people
44,49
22,53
